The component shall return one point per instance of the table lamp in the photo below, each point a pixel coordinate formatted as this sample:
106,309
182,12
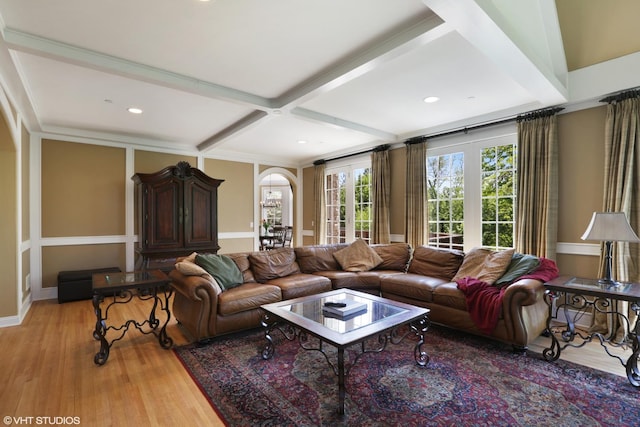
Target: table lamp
609,227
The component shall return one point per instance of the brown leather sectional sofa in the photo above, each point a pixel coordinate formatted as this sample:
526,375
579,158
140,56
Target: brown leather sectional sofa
420,277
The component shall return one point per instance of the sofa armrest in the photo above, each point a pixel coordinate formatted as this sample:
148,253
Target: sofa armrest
524,311
195,303
195,287
523,292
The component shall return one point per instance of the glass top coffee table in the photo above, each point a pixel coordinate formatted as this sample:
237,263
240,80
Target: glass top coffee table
371,316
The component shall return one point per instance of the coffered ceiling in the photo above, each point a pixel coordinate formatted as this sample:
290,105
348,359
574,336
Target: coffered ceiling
249,79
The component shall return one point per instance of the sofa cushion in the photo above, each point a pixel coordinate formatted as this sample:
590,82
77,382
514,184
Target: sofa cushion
520,265
436,262
361,280
410,286
267,265
318,257
222,268
358,256
395,256
484,264
301,284
248,296
449,295
244,265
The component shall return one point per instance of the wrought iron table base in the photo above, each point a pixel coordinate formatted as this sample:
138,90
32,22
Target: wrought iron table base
291,333
123,297
581,304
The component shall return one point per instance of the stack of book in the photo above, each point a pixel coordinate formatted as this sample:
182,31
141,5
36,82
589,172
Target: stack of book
344,308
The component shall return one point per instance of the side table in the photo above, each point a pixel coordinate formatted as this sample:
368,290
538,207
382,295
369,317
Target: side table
120,288
582,295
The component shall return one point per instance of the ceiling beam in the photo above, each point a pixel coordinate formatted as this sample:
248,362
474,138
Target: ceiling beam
344,124
241,125
40,46
376,54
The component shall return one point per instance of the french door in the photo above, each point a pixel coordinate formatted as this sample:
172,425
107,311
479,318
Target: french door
348,203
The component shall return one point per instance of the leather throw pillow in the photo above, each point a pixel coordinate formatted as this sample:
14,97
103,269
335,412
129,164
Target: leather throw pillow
484,264
358,256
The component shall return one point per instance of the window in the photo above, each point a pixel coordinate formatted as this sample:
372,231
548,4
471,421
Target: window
445,189
498,195
348,203
471,189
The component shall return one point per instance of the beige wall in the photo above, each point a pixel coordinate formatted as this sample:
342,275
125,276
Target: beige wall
79,257
83,191
262,168
83,194
581,182
398,160
230,246
308,204
150,161
597,31
235,194
8,221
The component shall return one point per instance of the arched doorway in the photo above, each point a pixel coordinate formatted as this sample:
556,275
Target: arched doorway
276,200
279,185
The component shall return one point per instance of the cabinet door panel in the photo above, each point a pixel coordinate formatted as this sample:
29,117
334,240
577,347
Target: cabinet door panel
200,222
165,229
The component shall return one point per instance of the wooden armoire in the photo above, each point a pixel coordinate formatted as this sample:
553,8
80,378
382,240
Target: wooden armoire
177,215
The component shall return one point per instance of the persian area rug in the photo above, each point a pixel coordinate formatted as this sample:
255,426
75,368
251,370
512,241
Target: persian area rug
468,381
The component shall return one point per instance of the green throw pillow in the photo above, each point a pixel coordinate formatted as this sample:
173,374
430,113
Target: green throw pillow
520,265
222,268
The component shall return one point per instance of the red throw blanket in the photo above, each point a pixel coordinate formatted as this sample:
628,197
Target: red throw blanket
484,301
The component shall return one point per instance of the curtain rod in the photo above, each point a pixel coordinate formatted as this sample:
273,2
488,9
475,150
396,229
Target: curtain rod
621,96
520,117
383,147
417,139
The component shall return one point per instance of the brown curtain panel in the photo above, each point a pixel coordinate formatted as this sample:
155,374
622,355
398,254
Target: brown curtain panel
380,195
621,186
537,192
320,208
416,198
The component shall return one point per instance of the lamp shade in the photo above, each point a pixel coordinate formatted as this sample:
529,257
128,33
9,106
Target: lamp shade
610,227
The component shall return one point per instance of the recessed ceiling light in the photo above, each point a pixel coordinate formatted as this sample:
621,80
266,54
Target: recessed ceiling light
430,99
134,110
302,141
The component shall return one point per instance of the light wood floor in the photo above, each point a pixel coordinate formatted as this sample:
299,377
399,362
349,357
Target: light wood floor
47,369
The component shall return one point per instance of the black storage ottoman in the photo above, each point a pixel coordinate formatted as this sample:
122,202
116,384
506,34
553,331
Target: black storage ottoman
77,285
